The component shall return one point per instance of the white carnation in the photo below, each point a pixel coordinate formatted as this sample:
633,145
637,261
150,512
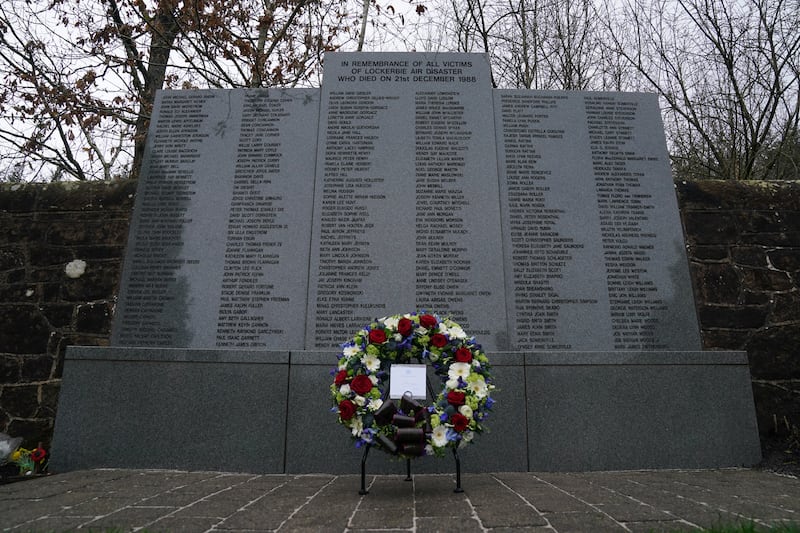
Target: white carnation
456,332
357,426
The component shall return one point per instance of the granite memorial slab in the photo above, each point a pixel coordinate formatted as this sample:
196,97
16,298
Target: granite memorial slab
406,212
537,220
594,250
222,220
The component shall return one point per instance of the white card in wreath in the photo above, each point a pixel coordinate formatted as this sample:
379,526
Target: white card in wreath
407,379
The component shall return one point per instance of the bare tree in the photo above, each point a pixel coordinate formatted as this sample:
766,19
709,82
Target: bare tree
79,78
728,73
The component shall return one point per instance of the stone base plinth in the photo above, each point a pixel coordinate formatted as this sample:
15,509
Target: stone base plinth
269,412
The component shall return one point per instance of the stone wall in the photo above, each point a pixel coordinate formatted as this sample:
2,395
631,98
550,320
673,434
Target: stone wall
743,241
744,248
42,308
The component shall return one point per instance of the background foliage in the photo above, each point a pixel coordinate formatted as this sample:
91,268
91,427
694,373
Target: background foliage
78,77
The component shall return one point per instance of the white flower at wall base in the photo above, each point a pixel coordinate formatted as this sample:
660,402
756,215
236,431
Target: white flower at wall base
75,268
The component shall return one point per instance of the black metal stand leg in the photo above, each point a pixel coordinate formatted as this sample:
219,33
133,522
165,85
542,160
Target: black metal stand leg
408,469
458,472
363,471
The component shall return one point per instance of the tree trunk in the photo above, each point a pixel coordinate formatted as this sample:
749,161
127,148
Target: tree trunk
164,30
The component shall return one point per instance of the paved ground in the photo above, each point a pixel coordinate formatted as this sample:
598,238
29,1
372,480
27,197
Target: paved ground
128,500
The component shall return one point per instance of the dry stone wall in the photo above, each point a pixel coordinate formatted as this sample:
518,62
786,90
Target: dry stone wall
61,249
744,249
60,257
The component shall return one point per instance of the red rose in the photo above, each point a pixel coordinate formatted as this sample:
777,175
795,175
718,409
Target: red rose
347,409
377,336
463,355
438,340
405,327
341,377
460,422
456,398
427,321
361,385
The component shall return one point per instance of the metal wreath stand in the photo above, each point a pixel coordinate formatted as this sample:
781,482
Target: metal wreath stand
364,490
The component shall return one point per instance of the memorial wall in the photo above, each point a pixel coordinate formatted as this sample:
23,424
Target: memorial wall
286,219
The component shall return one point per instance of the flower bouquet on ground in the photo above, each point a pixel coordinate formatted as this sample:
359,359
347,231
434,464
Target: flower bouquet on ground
22,462
407,428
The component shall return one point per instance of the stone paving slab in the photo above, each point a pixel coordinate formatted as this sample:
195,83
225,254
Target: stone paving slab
638,501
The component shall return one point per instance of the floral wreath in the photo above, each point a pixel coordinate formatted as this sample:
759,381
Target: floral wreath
407,428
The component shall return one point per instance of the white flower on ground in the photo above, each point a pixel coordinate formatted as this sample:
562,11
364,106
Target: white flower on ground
75,269
439,436
372,362
459,370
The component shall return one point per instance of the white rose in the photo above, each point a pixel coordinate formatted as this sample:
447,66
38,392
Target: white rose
360,400
344,390
465,410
